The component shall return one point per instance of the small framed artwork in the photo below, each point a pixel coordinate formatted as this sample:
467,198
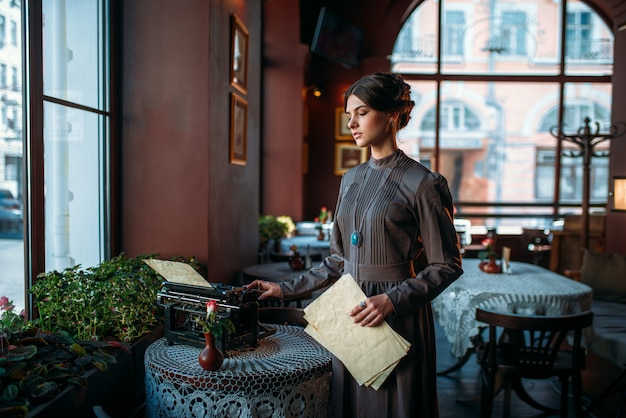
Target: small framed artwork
341,125
239,55
348,155
238,130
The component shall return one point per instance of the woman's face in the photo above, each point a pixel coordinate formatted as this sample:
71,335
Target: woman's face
370,128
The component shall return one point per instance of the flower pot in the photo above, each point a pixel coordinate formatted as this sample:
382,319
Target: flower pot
210,358
490,266
296,263
118,390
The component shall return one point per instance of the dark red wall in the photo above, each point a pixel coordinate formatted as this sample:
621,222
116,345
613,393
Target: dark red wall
283,153
180,194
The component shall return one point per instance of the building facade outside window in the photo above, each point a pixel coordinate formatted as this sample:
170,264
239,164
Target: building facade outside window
11,157
487,105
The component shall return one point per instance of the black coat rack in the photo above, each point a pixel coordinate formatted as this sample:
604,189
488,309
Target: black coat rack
587,140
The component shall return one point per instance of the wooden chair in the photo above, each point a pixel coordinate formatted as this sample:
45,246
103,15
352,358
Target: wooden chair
283,315
532,347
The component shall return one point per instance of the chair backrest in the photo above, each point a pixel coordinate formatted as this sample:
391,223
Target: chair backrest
533,345
284,315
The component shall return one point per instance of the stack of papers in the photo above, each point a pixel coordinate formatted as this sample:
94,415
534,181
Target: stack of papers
369,353
177,272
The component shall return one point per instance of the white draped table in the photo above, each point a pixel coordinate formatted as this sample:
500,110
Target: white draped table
529,290
287,375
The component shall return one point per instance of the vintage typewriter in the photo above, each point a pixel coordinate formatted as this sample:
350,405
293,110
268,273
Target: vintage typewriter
184,296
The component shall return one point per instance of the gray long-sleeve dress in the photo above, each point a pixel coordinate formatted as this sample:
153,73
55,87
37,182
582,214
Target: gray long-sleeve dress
409,250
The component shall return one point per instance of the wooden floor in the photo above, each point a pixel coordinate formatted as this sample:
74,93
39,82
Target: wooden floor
459,391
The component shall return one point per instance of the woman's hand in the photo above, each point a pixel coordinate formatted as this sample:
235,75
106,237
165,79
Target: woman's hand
266,289
372,311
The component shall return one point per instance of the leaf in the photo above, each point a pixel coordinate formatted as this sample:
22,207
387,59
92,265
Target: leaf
44,389
100,364
57,338
16,371
105,356
39,370
38,341
19,354
61,356
10,392
78,349
83,361
60,366
119,345
29,383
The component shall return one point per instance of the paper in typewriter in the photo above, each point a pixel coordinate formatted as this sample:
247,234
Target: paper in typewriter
177,272
369,354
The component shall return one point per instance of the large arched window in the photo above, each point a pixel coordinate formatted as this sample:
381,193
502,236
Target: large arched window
490,79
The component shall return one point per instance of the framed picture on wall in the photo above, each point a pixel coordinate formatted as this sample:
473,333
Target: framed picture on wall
348,155
239,55
238,130
341,124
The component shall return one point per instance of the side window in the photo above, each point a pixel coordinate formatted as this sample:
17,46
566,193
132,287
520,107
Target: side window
455,26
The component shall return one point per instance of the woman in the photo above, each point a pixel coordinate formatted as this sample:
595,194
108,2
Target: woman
394,233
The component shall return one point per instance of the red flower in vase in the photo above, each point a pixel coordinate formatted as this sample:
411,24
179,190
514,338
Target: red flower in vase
215,323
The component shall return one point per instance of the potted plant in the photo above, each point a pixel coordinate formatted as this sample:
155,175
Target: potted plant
36,366
272,229
213,325
91,320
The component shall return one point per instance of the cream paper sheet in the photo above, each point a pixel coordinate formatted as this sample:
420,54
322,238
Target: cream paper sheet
369,354
177,272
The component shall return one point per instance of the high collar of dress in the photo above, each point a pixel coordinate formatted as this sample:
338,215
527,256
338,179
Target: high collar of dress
385,161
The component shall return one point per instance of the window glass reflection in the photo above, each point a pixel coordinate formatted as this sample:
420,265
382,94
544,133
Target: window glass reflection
73,51
73,175
12,282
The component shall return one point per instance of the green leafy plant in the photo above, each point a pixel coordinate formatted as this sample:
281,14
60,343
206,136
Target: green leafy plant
116,300
10,322
86,318
271,229
37,365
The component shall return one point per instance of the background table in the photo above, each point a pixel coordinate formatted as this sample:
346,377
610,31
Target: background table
287,375
528,289
302,241
273,272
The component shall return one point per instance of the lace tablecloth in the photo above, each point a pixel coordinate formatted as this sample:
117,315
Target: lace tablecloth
287,375
528,289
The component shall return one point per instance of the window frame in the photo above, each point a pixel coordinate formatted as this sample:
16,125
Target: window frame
33,129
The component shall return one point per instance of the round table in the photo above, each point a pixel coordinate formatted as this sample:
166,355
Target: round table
273,272
287,375
528,290
302,242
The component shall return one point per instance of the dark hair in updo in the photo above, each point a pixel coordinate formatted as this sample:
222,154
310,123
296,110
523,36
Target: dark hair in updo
384,92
